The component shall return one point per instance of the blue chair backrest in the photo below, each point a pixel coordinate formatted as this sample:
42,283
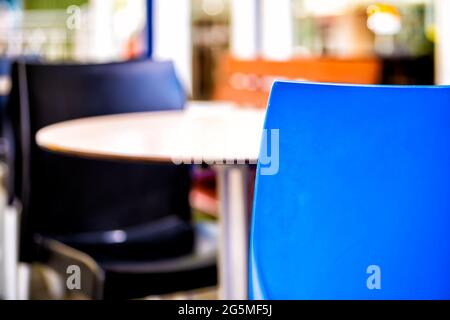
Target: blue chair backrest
359,206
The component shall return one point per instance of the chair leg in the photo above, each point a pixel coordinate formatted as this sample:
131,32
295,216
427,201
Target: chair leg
70,263
23,281
3,205
10,253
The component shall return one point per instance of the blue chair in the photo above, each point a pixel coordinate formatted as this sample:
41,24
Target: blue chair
358,206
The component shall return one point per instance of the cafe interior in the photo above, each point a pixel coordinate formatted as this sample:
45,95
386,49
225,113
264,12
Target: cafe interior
224,149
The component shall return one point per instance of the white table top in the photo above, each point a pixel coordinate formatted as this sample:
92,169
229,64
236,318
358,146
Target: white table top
204,132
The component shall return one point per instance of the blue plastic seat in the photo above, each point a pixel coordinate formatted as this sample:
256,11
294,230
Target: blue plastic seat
359,204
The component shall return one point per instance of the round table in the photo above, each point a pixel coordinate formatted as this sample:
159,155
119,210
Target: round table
218,134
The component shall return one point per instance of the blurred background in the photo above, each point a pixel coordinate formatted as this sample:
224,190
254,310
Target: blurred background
216,42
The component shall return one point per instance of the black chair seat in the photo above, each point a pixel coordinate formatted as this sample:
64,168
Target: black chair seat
166,238
132,279
135,279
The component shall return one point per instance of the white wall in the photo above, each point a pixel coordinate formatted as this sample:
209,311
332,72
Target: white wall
443,41
277,29
244,32
101,41
172,36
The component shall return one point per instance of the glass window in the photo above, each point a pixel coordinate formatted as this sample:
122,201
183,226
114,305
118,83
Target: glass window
77,30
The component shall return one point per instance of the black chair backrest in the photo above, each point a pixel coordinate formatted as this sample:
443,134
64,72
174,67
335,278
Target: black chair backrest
67,195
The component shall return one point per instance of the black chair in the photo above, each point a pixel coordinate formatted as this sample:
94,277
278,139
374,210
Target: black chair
131,221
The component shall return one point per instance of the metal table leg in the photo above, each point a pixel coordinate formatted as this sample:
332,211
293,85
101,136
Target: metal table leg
234,233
